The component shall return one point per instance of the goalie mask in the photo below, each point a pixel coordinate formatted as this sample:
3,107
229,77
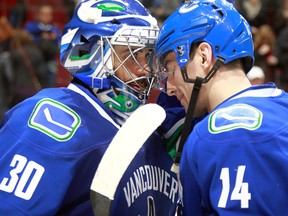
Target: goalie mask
104,38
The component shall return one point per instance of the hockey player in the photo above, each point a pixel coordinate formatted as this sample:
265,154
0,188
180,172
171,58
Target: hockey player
51,143
234,161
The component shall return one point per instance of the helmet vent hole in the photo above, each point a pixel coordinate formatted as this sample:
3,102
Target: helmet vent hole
83,52
240,33
115,21
84,39
218,11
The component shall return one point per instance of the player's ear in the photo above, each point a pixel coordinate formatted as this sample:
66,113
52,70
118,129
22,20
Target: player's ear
206,55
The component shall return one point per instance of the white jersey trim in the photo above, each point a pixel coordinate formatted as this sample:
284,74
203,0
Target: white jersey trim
94,104
269,92
174,128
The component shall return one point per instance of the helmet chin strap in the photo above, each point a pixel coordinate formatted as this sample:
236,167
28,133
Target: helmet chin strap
191,108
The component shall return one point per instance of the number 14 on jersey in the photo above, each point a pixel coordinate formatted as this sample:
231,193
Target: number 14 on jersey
240,191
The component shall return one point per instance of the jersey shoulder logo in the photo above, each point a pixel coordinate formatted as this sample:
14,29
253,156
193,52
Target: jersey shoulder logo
54,119
233,117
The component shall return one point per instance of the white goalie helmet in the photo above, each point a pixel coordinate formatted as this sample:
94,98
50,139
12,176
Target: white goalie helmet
88,51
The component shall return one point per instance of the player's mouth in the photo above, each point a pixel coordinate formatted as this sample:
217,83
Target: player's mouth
139,85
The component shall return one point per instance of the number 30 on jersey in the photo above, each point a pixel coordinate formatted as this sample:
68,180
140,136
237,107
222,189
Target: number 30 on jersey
24,177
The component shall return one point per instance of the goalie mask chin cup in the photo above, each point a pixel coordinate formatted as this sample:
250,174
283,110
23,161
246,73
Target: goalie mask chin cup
87,50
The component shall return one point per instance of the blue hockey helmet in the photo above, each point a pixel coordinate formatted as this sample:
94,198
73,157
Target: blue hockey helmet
216,22
87,50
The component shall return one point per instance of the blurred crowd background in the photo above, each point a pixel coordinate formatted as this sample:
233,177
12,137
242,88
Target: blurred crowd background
30,33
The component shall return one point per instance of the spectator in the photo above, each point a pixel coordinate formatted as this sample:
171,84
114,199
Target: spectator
280,19
47,36
6,83
255,11
28,66
161,9
265,52
6,33
282,53
22,67
17,15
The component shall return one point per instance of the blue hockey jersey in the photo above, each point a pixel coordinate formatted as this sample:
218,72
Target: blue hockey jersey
235,160
51,145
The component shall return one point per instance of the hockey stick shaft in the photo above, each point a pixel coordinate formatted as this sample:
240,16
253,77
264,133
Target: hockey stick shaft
121,151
